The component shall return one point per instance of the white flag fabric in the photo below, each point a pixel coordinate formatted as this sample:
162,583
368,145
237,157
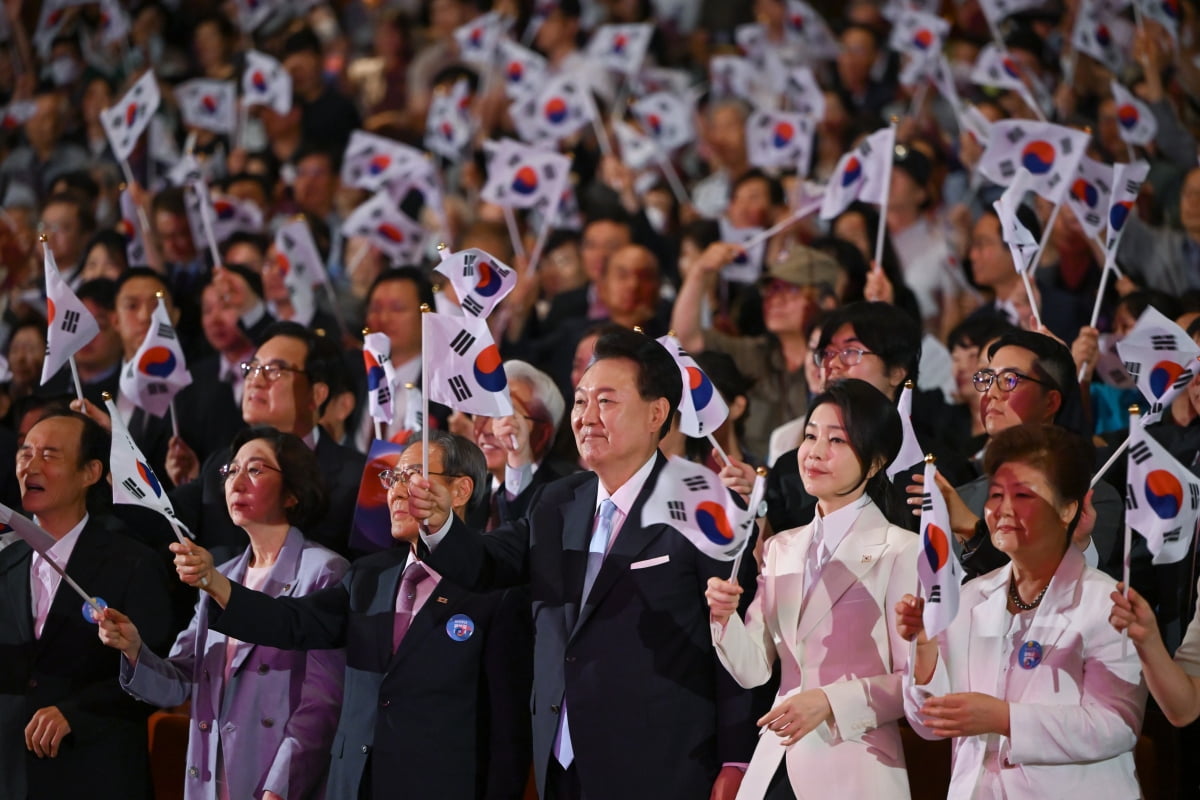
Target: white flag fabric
1182,382
519,176
666,118
157,371
1021,243
701,409
564,105
1127,183
69,325
479,279
1167,13
28,530
524,70
16,114
232,215
1156,354
804,93
1090,194
133,480
372,161
919,36
124,122
997,10
637,150
251,14
297,257
5,371
131,231
860,174
414,409
448,125
1102,34
690,498
1162,498
805,26
910,449
395,233
1050,153
381,377
114,24
621,48
747,265
1135,120
266,83
995,67
938,570
732,76
478,39
208,104
463,364
780,139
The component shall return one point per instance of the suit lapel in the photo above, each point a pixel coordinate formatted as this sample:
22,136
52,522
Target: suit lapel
785,576
1053,616
989,626
577,517
856,555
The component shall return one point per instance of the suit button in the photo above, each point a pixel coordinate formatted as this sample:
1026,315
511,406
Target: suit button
263,669
553,709
570,659
203,726
385,704
365,748
268,723
193,772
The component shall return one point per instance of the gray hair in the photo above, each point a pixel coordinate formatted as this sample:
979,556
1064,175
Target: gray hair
546,395
461,457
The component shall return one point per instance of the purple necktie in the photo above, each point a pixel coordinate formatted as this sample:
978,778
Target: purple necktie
406,599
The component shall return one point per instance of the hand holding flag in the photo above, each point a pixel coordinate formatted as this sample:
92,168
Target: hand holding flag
690,498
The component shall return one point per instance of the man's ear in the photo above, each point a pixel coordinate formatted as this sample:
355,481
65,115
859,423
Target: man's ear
461,489
320,393
92,471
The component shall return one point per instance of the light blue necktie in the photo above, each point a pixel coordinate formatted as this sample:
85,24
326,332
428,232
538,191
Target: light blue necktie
597,548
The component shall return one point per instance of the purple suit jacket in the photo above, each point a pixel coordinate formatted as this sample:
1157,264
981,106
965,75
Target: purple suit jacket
274,720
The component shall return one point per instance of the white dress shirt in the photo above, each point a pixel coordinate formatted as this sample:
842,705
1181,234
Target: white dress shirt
44,580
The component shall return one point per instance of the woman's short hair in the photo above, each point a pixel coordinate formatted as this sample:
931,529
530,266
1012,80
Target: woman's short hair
302,477
872,425
1065,458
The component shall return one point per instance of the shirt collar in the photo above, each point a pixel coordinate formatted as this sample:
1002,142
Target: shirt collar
628,492
412,559
835,526
61,550
313,437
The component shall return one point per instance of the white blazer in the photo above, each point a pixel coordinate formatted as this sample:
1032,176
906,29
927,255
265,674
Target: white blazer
842,641
1074,718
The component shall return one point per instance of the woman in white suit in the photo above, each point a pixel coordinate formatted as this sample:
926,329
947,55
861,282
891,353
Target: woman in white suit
822,609
1030,680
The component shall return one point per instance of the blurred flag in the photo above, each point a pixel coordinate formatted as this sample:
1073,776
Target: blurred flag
478,39
662,79
28,530
997,10
251,14
1020,241
524,177
1162,498
918,36
1156,353
910,449
157,371
465,371
1167,13
16,114
1135,120
751,39
381,378
621,48
1050,153
747,265
1102,34
690,498
448,126
371,161
114,23
666,118
133,480
996,68
805,26
5,372
69,325
231,215
938,571
943,80
637,150
124,122
804,93
414,409
1156,409
564,105
524,70
266,83
208,104
1090,194
297,257
780,139
860,174
50,24
395,233
701,409
130,230
1127,183
479,279
732,76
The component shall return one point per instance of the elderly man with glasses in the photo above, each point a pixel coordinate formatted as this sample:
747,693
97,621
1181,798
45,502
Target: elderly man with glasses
437,678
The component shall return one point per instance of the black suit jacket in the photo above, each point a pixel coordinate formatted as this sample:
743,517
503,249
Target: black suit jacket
512,510
652,712
200,504
438,718
104,755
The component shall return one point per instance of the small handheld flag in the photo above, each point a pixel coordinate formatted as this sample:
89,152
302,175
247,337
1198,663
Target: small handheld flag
938,571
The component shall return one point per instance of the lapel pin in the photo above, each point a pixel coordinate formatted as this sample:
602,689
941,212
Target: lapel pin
867,558
1030,655
442,599
460,627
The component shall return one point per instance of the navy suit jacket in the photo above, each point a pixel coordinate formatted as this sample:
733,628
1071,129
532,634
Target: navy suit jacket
652,712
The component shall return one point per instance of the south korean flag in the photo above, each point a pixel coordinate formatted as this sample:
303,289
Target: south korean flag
666,118
1051,153
266,83
564,105
124,122
479,279
747,265
1157,354
463,365
779,139
380,219
208,104
524,70
524,177
372,161
1089,195
804,93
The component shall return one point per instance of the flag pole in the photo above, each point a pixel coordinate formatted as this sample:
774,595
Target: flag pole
762,473
1134,411
881,231
673,180
510,219
1108,464
717,446
206,221
425,311
141,212
601,135
75,377
1096,308
757,238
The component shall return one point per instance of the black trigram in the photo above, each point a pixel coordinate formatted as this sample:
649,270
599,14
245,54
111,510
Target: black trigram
1131,502
472,306
677,510
462,343
70,321
469,265
865,148
1007,169
1155,408
385,395
1162,341
1132,187
501,271
926,502
1133,368
1065,145
289,244
132,487
696,483
1172,535
1140,452
156,388
165,331
1183,380
1194,494
1055,179
1104,187
935,594
460,388
1092,218
1015,134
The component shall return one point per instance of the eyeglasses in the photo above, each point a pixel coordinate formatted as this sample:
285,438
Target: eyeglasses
272,372
848,356
390,477
1006,379
254,471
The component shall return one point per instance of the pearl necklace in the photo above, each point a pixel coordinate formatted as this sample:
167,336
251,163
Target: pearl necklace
1015,597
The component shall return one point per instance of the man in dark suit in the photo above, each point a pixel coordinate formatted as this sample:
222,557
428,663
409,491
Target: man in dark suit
445,712
286,387
66,726
628,700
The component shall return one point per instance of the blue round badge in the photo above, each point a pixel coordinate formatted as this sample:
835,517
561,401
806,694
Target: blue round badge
1030,655
89,613
460,627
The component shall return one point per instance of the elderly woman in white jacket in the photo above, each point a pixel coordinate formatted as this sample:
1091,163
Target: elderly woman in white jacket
823,609
1034,686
